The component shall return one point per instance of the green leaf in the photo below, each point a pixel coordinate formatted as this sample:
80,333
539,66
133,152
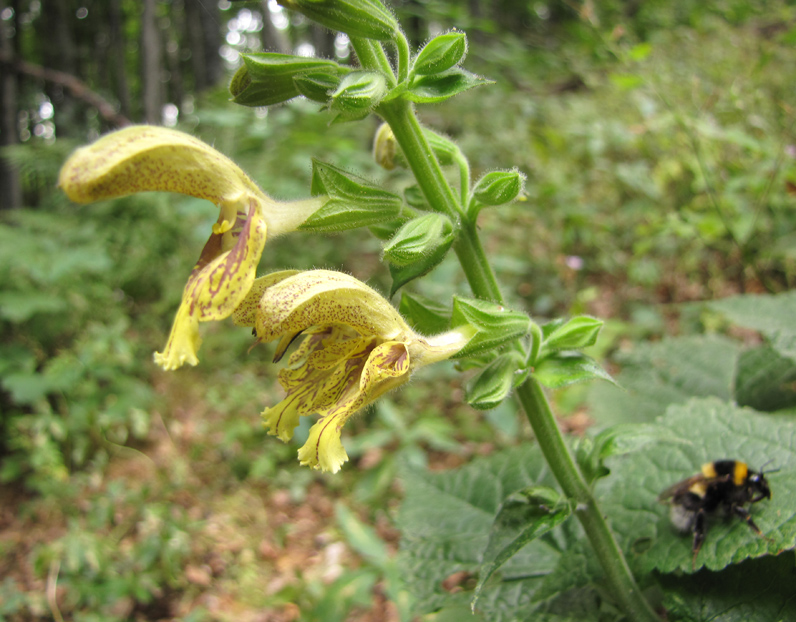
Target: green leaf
415,198
442,86
425,315
266,78
765,380
523,517
445,521
441,53
656,375
564,368
699,431
771,315
495,324
757,590
495,381
368,19
419,238
579,332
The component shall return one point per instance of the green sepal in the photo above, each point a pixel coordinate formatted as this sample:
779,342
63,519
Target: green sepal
441,53
358,93
317,86
425,315
496,188
495,381
495,324
340,215
401,275
442,86
352,201
385,230
368,19
414,197
579,332
266,78
523,517
561,369
419,238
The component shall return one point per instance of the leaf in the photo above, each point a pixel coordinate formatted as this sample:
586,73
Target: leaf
445,520
656,375
562,369
523,517
442,86
765,380
757,590
702,430
772,315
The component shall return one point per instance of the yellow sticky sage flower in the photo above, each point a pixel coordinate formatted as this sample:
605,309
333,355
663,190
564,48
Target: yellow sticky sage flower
355,347
142,158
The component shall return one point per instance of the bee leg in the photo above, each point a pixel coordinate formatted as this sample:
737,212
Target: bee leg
699,535
744,514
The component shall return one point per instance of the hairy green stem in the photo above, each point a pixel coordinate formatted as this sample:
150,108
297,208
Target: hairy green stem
401,117
559,458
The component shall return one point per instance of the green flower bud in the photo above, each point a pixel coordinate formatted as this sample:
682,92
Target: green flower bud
441,53
368,19
359,92
419,238
498,187
266,79
384,147
494,324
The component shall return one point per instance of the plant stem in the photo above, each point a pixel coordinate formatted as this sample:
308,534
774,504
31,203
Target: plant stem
617,572
401,117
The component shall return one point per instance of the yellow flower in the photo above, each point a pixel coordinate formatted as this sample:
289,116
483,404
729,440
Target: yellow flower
355,347
143,158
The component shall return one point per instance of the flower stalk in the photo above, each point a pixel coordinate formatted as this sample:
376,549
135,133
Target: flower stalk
400,116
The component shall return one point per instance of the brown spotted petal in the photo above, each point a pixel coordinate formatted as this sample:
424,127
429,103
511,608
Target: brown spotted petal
143,158
354,348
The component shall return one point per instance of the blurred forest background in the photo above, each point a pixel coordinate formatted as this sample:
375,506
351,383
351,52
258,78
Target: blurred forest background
658,142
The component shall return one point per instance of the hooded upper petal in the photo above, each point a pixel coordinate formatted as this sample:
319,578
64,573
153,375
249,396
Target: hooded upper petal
355,347
142,158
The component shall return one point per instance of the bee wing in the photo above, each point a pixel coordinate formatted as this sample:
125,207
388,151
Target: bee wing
681,487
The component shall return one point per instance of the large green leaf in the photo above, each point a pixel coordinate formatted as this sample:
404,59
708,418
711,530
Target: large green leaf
703,430
773,316
446,519
758,590
764,379
669,372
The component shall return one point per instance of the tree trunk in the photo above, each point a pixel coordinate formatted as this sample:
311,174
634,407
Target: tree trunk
150,63
10,191
211,37
323,41
59,52
122,88
273,39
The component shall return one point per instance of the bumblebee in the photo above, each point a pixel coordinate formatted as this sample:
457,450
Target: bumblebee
722,488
